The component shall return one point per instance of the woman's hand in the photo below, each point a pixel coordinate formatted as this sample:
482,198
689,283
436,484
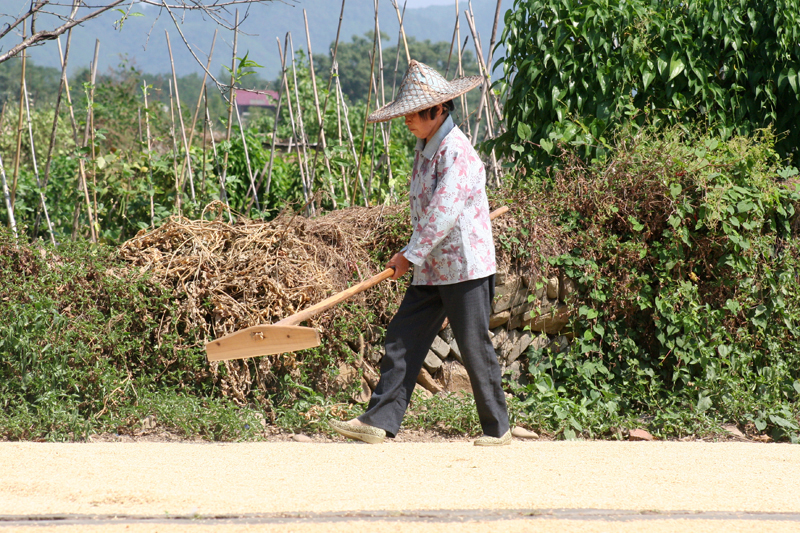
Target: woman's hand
400,265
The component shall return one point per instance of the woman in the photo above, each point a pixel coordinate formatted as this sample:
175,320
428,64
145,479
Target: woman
452,252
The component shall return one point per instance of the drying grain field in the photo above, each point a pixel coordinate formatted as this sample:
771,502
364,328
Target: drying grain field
420,486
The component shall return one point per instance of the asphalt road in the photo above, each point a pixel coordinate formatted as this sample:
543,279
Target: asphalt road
442,486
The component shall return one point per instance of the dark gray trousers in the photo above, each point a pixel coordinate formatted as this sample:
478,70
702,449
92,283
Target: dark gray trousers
409,337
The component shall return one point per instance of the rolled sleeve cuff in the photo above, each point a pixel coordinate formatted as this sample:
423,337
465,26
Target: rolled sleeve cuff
412,256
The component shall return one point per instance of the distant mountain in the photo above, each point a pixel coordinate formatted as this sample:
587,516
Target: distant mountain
142,39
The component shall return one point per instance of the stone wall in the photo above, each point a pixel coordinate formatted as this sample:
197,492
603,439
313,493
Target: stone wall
524,313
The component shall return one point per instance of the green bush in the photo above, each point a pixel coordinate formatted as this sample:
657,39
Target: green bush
87,346
578,70
90,345
685,251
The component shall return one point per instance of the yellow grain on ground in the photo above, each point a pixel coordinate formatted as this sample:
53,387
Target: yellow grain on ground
508,526
194,479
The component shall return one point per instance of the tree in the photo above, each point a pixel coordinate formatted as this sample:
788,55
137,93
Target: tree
575,70
42,82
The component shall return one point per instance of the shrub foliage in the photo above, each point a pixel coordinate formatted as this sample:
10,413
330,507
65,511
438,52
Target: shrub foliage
88,346
685,252
575,68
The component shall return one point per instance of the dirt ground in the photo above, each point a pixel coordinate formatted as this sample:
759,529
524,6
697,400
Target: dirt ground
419,486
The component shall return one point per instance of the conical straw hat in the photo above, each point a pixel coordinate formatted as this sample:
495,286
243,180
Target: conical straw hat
422,88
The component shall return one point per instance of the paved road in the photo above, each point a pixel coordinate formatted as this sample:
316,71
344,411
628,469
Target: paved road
288,486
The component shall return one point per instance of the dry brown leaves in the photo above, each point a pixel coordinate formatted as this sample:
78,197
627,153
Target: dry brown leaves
230,276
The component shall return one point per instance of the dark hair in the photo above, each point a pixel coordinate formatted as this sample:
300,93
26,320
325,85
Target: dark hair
431,112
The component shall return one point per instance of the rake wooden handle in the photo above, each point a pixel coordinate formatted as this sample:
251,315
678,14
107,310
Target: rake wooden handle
337,298
329,302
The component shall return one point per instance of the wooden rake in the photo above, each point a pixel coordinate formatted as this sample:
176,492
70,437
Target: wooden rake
286,335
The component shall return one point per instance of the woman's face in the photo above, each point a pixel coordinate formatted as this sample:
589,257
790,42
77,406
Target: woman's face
423,127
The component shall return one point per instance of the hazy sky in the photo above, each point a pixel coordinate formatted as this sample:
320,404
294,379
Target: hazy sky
426,3
142,41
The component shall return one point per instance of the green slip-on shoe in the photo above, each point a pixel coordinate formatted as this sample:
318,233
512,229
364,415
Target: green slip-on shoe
494,441
368,434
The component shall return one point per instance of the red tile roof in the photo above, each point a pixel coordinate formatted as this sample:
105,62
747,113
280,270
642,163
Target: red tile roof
251,98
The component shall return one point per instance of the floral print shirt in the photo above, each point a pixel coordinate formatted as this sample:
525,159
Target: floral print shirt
452,240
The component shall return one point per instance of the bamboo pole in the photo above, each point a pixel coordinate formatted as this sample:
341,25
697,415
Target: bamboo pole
490,131
178,191
372,162
51,146
12,222
199,102
397,56
338,117
486,94
19,126
36,167
482,99
402,31
67,93
380,96
232,91
319,115
383,125
92,79
222,192
339,134
83,186
61,86
203,168
202,88
188,160
366,114
350,136
484,105
150,188
493,155
452,45
83,183
394,81
310,207
374,134
482,65
340,102
83,175
476,40
330,83
490,67
380,102
460,72
89,132
247,157
275,124
306,192
494,33
231,96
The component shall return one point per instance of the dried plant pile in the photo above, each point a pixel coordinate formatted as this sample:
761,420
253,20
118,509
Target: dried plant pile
527,235
225,277
231,276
